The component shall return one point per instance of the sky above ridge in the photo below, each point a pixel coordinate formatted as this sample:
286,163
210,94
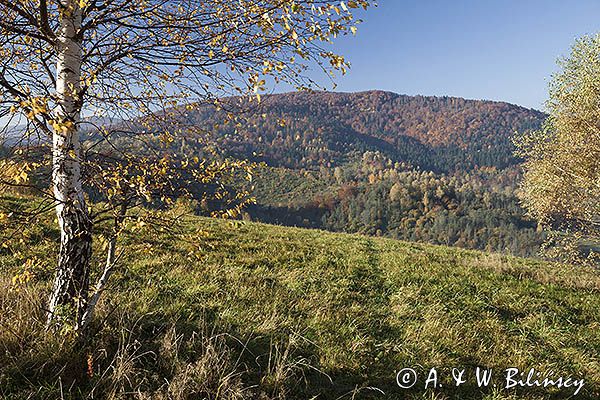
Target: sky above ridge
487,49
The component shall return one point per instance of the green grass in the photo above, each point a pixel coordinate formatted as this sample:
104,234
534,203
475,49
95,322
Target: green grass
231,310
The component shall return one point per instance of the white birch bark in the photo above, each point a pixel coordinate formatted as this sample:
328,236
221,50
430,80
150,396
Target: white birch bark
111,260
101,285
72,278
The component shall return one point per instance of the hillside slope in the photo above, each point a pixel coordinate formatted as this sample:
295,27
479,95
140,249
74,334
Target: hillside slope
244,310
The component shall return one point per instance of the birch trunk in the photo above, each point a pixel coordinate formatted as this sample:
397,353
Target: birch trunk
109,266
69,295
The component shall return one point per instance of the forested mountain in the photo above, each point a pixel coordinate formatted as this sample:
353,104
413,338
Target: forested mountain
322,129
432,169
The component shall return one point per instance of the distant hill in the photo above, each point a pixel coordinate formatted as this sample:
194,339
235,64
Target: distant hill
311,130
428,169
17,135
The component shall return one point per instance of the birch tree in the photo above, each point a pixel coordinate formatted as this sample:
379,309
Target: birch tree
561,186
72,67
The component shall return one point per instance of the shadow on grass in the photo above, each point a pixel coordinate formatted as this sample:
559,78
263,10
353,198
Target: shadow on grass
177,355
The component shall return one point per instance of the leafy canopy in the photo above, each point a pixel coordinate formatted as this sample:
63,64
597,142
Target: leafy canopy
561,186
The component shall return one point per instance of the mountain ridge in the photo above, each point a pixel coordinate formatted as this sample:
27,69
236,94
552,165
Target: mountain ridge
314,129
406,95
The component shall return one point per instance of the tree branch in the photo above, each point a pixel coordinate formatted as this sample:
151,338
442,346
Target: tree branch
44,24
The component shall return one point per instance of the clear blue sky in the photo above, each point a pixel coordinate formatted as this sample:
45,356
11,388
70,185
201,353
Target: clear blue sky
478,49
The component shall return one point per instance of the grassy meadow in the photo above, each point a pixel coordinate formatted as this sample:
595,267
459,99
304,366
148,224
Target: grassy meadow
231,310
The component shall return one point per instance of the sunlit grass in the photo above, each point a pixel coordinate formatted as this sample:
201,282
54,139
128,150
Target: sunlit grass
231,310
